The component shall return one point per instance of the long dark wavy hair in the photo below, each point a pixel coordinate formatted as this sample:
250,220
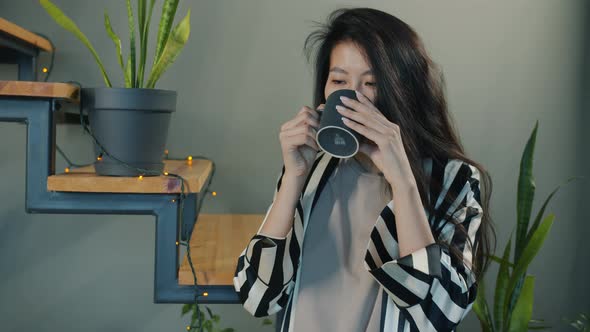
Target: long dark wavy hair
411,94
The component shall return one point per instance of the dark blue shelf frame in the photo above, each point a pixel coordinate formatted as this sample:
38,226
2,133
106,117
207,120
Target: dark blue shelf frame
39,116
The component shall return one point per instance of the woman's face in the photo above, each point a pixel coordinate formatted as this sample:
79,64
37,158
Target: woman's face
350,70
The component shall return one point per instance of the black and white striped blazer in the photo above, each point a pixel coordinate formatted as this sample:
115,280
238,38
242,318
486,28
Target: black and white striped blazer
426,290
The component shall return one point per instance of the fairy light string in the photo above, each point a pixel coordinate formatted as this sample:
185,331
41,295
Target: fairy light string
198,324
181,196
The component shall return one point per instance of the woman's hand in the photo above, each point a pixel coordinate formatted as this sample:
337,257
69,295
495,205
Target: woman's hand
298,142
386,149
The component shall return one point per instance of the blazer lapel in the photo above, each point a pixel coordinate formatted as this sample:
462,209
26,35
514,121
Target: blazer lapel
323,167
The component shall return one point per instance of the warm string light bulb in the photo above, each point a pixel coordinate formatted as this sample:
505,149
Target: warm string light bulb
165,173
214,193
67,170
205,294
99,158
140,177
45,70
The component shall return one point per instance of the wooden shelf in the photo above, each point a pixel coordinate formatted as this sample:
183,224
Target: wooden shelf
25,35
65,91
216,244
85,179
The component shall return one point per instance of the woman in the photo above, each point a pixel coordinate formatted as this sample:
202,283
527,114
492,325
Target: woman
396,236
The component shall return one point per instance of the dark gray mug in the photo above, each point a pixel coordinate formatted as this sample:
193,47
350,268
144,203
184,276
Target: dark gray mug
333,136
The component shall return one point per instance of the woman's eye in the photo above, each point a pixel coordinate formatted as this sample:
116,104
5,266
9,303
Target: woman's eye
337,81
371,83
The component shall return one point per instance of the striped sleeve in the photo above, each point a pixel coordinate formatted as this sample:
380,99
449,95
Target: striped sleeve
264,275
432,288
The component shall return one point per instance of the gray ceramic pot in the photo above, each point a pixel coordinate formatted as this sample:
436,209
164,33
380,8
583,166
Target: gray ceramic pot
131,124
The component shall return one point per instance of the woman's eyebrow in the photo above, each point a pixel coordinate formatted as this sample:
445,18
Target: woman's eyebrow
340,70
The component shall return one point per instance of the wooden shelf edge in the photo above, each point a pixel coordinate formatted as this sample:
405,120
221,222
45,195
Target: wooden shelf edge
25,35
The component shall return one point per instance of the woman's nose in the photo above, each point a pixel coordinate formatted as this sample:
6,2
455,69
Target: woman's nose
355,85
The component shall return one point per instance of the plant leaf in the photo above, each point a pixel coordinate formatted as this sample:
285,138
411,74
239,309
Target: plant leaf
185,308
116,40
128,73
209,311
140,25
523,310
208,325
501,286
529,252
65,22
168,13
526,192
499,260
176,41
480,307
131,41
542,210
143,43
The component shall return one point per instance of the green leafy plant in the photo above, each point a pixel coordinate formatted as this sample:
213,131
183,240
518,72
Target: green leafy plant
514,290
170,41
209,324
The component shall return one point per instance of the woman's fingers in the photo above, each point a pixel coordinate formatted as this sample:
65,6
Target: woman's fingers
303,129
305,115
297,137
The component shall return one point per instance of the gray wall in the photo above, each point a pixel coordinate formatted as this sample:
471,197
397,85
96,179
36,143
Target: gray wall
242,74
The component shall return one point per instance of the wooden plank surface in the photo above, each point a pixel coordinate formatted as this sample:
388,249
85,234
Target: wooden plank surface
216,244
24,35
85,179
65,91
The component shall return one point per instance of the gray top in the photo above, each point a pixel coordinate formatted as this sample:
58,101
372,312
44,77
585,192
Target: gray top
336,292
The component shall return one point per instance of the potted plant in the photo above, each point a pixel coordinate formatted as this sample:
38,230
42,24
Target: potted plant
512,306
131,122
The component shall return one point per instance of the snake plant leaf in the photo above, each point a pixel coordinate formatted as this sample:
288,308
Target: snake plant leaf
480,307
529,252
128,82
116,40
131,41
176,42
143,43
501,285
141,11
526,192
140,15
64,21
168,13
500,260
542,210
523,310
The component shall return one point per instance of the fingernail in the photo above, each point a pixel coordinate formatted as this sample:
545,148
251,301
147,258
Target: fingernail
358,94
340,108
343,98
